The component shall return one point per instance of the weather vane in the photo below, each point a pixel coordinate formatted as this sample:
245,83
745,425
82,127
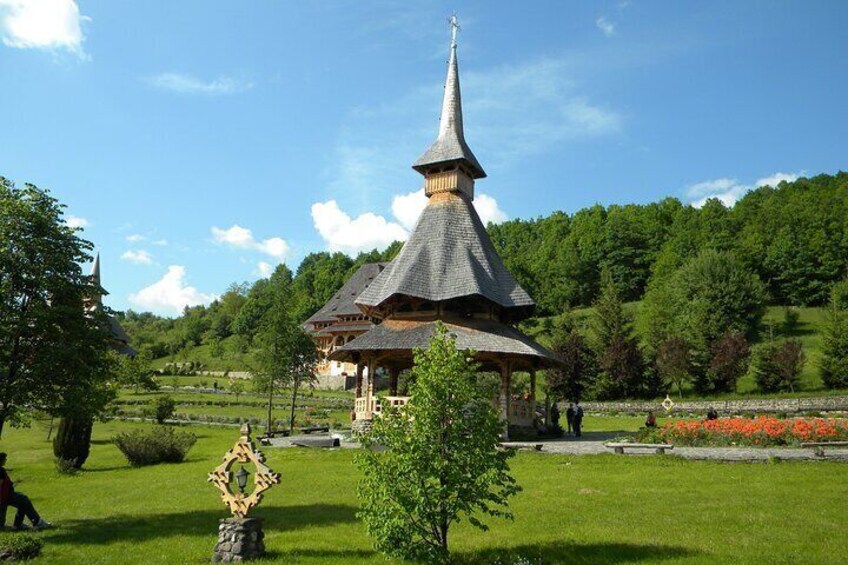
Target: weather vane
454,28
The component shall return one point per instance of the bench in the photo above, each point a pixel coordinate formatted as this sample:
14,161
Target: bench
521,446
316,442
311,429
657,447
818,446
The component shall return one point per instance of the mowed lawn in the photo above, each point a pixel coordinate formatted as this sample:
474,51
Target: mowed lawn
590,509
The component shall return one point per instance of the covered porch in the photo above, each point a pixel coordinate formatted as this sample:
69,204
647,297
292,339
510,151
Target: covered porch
499,349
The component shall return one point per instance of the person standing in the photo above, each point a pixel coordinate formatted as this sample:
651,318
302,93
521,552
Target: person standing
578,419
554,416
8,497
569,418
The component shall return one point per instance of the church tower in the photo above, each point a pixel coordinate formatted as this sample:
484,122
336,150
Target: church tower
449,272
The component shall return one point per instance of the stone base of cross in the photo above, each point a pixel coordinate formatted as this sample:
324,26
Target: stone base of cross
239,539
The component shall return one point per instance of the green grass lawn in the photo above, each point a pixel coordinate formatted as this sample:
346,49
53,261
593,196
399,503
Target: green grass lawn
590,509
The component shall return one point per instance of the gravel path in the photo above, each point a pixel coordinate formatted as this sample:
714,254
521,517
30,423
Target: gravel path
592,443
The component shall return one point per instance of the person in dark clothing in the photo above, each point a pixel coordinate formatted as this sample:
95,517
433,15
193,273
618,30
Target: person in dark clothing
8,497
712,414
651,420
569,417
578,419
554,415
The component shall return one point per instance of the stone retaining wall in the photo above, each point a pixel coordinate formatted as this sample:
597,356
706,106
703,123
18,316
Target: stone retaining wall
789,405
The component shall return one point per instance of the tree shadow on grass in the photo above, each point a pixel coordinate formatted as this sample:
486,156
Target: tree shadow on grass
194,523
565,552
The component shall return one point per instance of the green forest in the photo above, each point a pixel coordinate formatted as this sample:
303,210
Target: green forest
702,279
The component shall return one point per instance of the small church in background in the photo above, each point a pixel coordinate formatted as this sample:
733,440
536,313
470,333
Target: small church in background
448,271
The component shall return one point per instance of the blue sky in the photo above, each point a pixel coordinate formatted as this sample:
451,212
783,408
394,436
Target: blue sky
201,143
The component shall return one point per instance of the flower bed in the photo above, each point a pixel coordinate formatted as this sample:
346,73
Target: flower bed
758,432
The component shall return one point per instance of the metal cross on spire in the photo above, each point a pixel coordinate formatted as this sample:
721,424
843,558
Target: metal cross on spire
454,28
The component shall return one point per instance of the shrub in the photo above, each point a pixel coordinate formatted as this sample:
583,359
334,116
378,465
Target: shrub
834,363
164,406
728,361
20,548
790,319
160,445
778,366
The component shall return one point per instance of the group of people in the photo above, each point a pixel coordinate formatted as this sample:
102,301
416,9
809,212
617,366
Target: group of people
573,418
10,497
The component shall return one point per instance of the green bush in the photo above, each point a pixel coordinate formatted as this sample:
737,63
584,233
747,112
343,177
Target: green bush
160,445
20,547
164,406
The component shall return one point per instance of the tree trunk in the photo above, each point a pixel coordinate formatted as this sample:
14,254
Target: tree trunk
73,439
2,423
270,402
295,382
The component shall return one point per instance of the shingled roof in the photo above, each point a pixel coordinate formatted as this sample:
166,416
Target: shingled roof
343,302
450,146
449,255
483,336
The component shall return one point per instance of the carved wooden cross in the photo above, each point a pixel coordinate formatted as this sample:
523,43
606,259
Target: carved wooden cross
264,478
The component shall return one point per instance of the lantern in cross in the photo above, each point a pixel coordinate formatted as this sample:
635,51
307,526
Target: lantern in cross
221,477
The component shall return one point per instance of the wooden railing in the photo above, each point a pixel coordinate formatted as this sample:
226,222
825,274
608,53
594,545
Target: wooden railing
364,411
521,412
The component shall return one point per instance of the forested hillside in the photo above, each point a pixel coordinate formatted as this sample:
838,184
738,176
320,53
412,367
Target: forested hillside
786,245
794,237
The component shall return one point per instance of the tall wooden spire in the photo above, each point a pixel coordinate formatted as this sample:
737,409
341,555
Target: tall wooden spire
449,165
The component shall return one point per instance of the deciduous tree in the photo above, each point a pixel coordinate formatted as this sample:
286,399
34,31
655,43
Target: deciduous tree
442,461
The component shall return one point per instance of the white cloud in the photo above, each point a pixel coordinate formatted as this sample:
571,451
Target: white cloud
369,231
777,178
135,238
140,257
407,207
728,190
187,84
76,222
351,235
171,293
42,24
488,209
513,112
160,242
264,269
607,27
242,238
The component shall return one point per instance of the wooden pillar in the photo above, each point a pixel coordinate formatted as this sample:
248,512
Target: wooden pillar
533,395
506,395
369,389
359,368
393,381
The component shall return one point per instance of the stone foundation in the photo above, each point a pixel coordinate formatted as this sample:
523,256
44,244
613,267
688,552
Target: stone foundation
361,427
239,539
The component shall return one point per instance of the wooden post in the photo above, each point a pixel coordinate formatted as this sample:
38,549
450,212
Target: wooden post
359,368
533,396
393,381
506,395
369,389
